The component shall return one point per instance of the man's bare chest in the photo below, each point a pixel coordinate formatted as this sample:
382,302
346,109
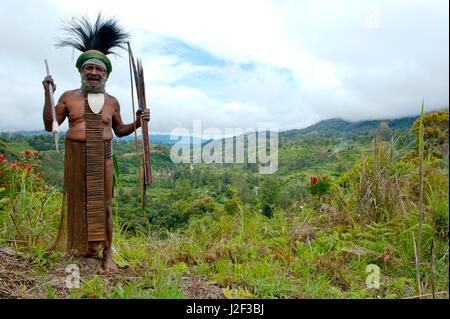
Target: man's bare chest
76,110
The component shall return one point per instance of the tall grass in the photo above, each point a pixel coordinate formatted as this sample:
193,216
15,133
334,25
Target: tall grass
377,187
420,201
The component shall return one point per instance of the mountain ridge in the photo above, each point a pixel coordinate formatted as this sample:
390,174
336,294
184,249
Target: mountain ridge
324,128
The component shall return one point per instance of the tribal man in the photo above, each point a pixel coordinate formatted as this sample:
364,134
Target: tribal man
86,221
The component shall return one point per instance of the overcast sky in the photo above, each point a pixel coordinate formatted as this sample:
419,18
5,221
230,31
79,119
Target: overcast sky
240,64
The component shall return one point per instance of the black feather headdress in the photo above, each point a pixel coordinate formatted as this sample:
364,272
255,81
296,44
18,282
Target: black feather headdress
103,36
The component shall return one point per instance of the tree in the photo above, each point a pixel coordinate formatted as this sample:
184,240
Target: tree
435,133
270,193
204,205
231,206
241,185
183,190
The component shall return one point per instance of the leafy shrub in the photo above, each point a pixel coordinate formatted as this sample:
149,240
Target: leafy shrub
204,205
232,205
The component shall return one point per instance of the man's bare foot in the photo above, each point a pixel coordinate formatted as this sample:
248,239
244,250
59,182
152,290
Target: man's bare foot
108,263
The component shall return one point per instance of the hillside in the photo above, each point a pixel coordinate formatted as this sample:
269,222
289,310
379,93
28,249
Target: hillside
336,208
338,127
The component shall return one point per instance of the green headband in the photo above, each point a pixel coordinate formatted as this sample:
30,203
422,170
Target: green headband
94,55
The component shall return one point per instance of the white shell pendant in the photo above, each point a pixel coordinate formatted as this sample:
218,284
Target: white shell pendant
96,102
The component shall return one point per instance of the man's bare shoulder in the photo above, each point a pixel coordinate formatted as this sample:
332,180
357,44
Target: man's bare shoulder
72,94
111,100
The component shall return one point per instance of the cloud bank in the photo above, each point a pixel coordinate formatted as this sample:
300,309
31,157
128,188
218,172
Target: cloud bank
248,64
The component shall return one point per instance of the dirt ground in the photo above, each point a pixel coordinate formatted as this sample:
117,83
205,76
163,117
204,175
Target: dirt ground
24,276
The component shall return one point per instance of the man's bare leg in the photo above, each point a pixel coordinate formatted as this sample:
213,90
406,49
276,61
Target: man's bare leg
108,262
90,253
93,250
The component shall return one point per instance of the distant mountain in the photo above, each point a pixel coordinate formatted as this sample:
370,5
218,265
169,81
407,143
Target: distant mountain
326,128
28,133
164,139
153,138
339,127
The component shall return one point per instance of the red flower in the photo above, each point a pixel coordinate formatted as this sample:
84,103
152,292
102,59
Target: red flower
14,168
29,168
2,158
36,153
43,187
38,163
39,175
27,153
323,178
314,180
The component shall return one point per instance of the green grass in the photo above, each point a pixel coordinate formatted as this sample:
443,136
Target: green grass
300,252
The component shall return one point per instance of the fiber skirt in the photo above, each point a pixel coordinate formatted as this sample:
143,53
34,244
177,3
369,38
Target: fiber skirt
83,213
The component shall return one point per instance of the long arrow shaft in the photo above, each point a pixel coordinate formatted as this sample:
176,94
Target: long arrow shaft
144,125
130,58
140,85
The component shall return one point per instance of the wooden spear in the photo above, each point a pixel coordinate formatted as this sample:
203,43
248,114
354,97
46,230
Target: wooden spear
55,127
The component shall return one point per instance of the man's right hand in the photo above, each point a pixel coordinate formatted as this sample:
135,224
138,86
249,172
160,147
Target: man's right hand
48,79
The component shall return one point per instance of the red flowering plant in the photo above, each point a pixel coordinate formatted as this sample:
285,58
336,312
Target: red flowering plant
319,186
20,173
25,200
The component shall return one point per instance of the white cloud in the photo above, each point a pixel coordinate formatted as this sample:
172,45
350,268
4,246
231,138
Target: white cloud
166,69
308,60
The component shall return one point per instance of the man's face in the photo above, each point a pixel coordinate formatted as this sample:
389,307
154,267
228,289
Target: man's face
93,78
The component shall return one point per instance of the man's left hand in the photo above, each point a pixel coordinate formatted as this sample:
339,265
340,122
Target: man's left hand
145,114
